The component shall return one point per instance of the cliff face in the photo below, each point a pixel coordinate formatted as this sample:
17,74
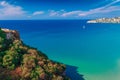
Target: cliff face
13,34
21,62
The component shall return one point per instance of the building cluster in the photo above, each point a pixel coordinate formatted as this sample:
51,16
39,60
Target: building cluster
105,20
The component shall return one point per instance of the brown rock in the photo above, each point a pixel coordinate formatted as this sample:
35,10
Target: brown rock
11,34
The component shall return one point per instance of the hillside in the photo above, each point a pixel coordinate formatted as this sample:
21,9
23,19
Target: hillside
19,61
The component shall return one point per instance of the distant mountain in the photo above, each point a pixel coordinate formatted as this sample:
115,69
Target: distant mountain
105,20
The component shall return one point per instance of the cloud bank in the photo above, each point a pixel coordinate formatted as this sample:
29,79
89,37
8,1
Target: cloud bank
8,10
101,10
38,13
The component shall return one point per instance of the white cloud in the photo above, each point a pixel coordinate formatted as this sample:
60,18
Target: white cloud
3,3
38,13
101,10
71,13
8,10
113,2
104,9
56,13
53,13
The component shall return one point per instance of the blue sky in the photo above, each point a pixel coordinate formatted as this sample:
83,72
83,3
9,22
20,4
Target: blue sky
58,9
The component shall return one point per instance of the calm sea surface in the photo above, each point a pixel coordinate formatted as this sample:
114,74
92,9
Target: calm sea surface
93,48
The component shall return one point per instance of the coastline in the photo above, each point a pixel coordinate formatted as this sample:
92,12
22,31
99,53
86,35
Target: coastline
105,20
62,43
20,61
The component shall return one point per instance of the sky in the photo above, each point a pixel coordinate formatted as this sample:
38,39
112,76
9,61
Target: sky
58,9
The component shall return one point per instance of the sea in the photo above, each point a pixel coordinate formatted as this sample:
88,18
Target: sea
90,51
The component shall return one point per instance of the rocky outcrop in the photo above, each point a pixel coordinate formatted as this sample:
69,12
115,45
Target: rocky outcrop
21,62
13,34
105,20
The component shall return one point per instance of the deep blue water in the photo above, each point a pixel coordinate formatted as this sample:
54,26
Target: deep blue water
93,48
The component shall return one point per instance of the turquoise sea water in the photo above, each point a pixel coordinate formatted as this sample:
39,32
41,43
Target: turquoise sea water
93,48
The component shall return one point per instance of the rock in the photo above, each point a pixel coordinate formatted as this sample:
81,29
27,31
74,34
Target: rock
11,34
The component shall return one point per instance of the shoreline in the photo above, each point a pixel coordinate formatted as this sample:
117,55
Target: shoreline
105,20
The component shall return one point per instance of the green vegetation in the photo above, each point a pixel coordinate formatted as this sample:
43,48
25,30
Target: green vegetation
21,62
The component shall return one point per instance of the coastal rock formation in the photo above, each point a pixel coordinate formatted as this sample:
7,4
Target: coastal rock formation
105,20
21,62
11,34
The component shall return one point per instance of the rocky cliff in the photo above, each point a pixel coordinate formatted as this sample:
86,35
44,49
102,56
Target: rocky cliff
11,34
21,62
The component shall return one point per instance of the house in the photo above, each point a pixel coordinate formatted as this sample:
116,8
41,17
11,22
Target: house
9,35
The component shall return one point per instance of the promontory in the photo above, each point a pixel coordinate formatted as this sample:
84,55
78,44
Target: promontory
19,61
